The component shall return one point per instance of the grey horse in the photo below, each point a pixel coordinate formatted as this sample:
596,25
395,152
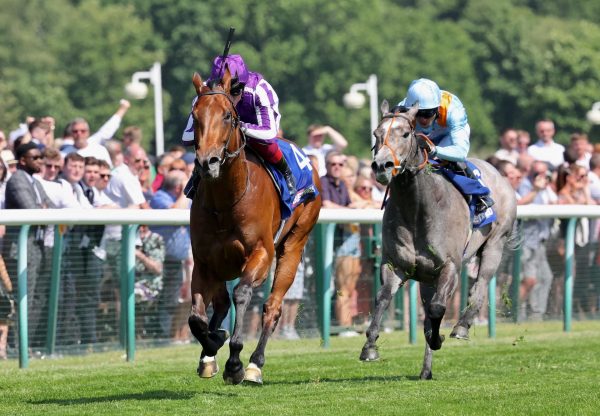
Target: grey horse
427,234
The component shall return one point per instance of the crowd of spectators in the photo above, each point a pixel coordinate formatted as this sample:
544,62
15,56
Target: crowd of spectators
97,171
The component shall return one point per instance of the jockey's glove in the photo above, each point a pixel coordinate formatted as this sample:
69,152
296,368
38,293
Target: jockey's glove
426,144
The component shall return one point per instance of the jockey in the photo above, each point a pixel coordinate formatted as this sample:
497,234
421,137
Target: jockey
443,119
258,107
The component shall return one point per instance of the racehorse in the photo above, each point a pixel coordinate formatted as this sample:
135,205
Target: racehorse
234,219
427,231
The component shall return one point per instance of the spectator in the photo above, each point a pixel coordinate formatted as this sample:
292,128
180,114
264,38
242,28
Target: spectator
574,189
545,148
131,135
81,133
363,188
317,146
347,243
177,246
145,180
149,258
291,303
23,191
178,164
3,142
580,147
9,161
523,141
115,150
164,164
6,307
41,131
124,187
594,176
82,269
508,146
3,180
176,151
537,275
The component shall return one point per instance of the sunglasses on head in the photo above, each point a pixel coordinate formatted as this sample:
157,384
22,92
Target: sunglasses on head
427,113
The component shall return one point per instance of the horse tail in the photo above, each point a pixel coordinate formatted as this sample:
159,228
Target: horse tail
515,238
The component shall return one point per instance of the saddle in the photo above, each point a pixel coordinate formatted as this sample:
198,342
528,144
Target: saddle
301,168
470,188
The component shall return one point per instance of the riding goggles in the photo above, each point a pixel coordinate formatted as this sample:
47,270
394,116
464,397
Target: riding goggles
427,112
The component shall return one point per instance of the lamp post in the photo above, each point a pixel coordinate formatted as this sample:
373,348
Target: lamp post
354,99
138,90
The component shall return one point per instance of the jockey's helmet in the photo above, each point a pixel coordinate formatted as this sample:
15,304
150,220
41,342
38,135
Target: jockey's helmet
237,68
425,92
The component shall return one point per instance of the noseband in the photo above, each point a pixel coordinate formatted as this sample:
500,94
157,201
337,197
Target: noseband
235,124
401,166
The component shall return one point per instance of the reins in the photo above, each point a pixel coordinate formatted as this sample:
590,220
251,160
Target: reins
234,124
401,166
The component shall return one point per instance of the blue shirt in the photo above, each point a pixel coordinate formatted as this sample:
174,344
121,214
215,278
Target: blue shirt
450,131
163,200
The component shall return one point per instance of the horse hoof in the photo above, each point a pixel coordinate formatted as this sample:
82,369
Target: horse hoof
369,354
208,369
233,377
460,332
253,374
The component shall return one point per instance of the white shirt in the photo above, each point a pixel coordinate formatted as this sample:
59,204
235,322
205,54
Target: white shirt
320,154
96,150
552,153
124,188
107,131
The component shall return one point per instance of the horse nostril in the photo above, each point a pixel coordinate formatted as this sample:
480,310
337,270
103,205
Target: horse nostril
374,166
213,160
389,165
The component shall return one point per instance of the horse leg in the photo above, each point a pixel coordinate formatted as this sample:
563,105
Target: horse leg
434,302
208,367
254,273
490,258
289,256
390,282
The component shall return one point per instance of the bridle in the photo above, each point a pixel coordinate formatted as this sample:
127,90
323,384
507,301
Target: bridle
401,166
235,124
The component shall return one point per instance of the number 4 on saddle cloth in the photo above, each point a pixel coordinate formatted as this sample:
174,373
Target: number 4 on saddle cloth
301,168
471,189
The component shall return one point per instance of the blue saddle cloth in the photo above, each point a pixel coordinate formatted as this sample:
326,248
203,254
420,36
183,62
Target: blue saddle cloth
470,187
301,167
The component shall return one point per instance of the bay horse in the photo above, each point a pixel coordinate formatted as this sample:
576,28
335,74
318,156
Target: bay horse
234,218
426,232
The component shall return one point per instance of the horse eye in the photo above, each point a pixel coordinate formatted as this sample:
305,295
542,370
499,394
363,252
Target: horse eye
227,116
405,135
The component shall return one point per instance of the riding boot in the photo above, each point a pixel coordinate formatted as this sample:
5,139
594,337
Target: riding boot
483,201
192,185
283,167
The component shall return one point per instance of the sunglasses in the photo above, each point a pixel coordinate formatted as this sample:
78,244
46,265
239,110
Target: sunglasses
36,157
79,131
427,113
105,175
336,164
50,166
181,169
364,188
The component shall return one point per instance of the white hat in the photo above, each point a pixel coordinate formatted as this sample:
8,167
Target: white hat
8,157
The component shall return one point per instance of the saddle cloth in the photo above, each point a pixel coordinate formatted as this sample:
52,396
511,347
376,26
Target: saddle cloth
470,187
301,167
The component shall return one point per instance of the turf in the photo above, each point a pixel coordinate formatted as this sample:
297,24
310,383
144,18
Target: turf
527,369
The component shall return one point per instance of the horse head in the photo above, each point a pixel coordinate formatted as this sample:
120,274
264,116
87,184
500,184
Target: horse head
217,136
395,144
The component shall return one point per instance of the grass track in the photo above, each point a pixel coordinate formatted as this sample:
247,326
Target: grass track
530,369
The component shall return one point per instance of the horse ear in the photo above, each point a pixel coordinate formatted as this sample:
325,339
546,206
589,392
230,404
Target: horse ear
385,107
226,80
413,110
197,80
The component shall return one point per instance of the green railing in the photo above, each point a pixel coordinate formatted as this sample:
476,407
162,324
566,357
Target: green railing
324,234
